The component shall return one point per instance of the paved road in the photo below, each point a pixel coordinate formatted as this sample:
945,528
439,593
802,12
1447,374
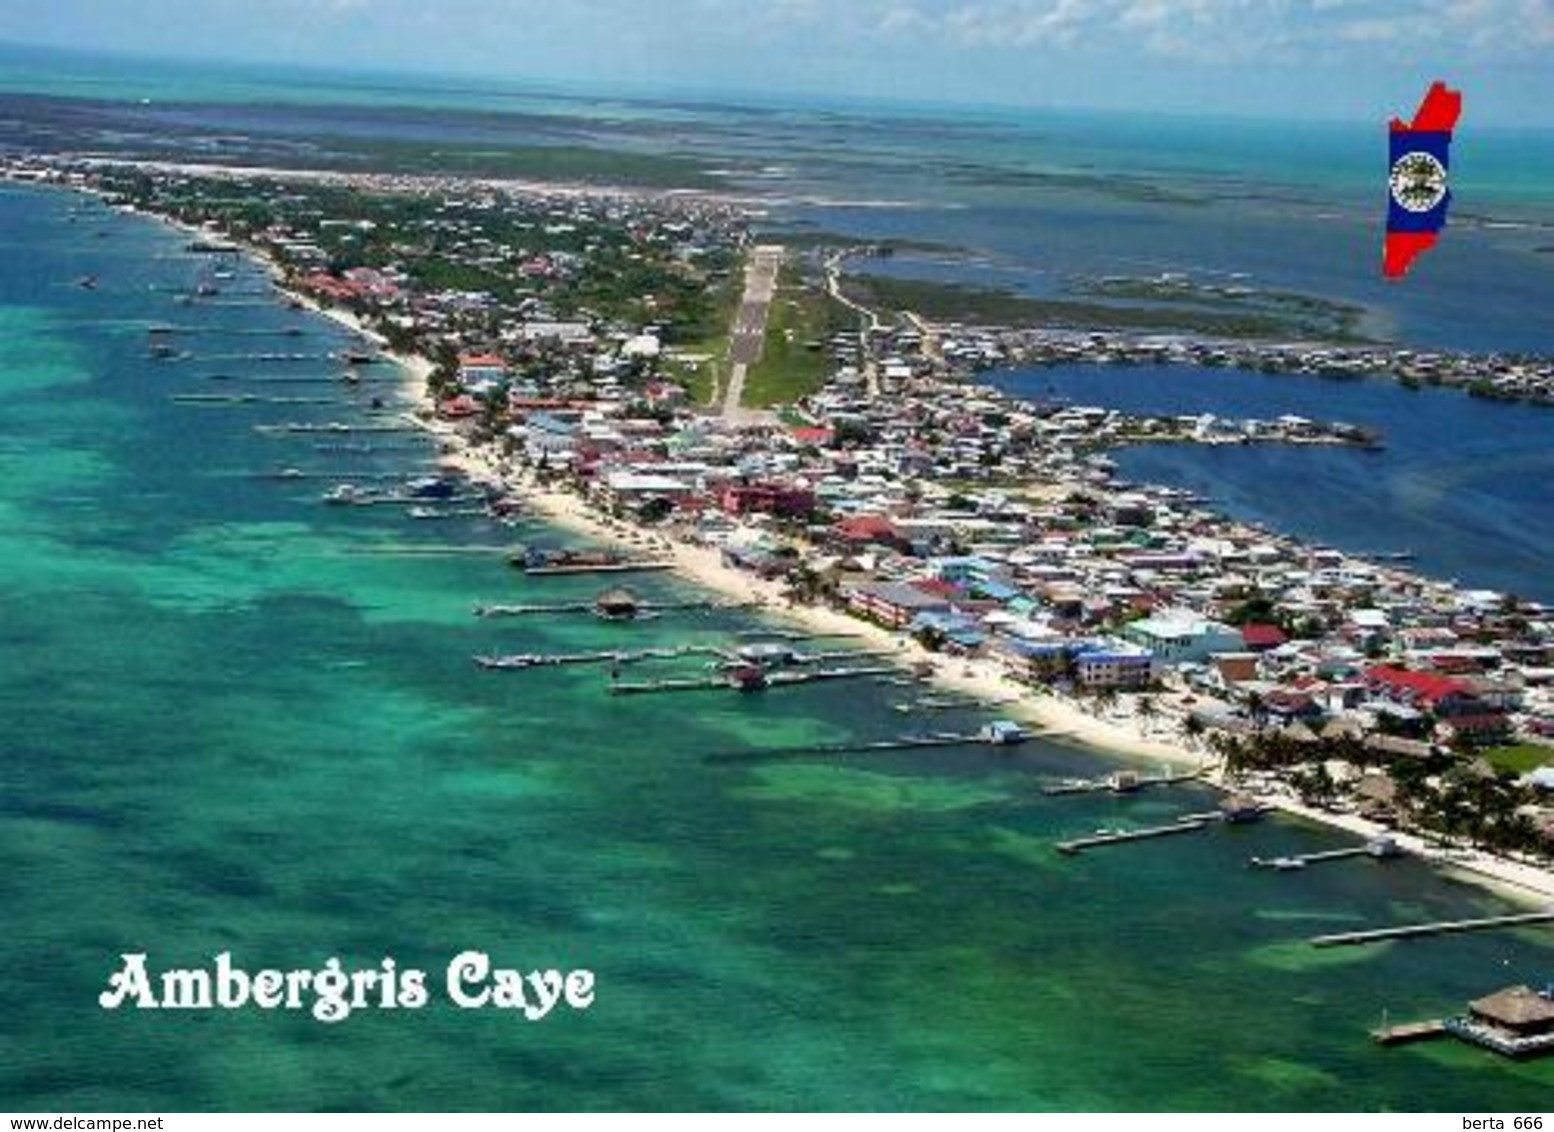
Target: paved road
871,369
749,330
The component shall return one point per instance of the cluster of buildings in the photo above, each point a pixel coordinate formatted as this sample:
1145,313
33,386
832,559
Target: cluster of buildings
581,294
901,491
999,530
1495,375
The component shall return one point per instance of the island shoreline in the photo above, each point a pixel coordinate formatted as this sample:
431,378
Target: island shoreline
1057,718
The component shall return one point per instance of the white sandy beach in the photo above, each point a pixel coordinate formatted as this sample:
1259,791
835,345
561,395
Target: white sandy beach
1122,735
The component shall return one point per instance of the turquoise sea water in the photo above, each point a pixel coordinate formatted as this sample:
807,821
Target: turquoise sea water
238,720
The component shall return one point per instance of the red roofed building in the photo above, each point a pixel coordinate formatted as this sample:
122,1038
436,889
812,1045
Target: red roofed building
369,281
329,287
771,498
456,408
819,437
1427,691
1260,638
863,530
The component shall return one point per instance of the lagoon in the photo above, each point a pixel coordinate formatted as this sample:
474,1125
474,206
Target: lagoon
1461,482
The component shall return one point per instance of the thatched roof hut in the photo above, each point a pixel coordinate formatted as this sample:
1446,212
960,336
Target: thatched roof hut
617,603
1519,1009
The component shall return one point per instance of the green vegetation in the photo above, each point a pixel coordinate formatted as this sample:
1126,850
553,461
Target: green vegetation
805,239
1444,793
1307,314
794,362
636,287
542,162
960,302
707,336
1519,758
1128,188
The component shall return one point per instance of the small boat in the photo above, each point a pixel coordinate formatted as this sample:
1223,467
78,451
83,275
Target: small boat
1383,847
1241,808
432,487
747,678
1003,733
1123,782
344,493
87,282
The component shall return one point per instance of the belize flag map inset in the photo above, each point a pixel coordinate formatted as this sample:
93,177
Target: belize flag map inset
1418,196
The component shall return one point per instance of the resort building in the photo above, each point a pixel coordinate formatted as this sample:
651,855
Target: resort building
1115,667
893,604
1516,1021
1180,637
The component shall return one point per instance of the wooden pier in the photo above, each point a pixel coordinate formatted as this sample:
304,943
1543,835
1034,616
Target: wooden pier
952,703
498,609
333,426
231,331
331,476
1406,1032
234,399
1122,836
598,568
875,746
1301,860
520,661
1120,783
372,449
726,684
403,500
348,380
266,356
1439,927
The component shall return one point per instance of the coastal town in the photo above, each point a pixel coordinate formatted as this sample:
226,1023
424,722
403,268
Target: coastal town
649,370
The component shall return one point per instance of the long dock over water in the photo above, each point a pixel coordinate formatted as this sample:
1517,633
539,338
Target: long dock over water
1405,1032
520,661
723,683
1438,927
1381,849
498,609
1122,836
902,743
1119,784
597,568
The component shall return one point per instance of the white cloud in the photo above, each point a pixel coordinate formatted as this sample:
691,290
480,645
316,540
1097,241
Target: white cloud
1209,30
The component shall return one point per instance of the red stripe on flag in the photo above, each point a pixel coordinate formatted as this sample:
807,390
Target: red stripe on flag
1440,110
1401,249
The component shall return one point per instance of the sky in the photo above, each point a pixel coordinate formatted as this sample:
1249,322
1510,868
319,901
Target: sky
1330,59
